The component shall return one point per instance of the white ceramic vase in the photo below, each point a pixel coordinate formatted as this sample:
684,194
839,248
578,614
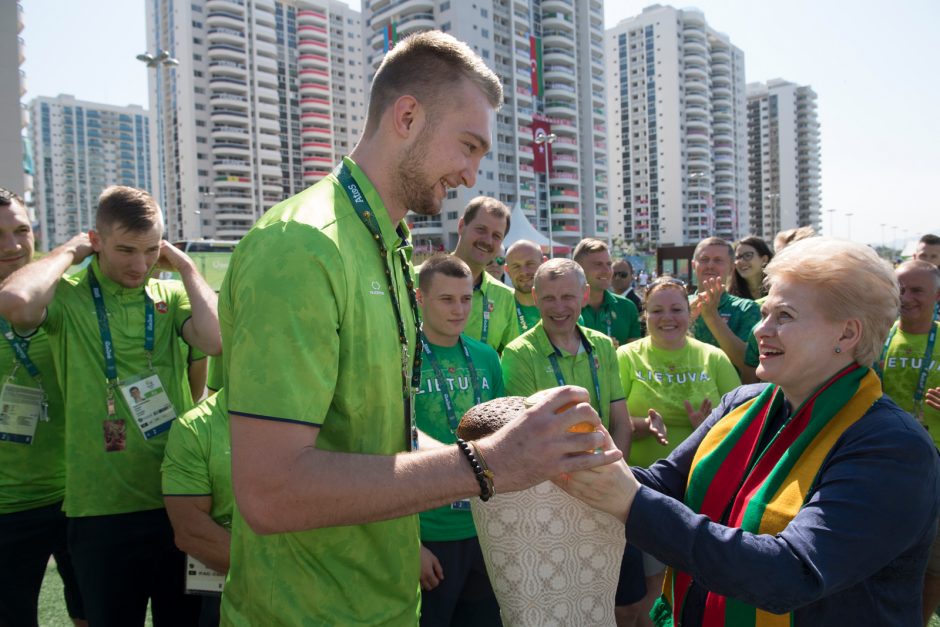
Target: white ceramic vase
552,560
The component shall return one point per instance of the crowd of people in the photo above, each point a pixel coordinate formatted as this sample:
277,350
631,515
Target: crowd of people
312,474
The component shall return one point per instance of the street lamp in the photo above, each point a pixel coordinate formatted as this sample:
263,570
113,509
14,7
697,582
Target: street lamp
162,57
832,233
548,139
848,225
774,199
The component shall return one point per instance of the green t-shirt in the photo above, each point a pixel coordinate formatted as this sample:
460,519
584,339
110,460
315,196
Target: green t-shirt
98,482
527,316
501,306
450,523
741,314
527,368
310,337
617,317
33,475
214,374
660,379
752,350
901,370
198,457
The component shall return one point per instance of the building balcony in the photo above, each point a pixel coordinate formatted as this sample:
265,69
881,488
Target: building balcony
231,166
314,61
314,105
227,68
311,17
229,117
311,46
225,36
558,21
226,52
315,132
399,9
225,19
223,133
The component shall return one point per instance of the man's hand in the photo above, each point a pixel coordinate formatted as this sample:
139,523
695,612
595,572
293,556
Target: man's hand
80,247
431,571
699,416
656,426
171,258
537,446
932,398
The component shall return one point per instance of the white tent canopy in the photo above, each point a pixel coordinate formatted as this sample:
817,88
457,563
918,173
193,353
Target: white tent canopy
521,228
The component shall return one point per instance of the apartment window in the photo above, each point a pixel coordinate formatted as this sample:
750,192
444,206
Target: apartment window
197,24
198,42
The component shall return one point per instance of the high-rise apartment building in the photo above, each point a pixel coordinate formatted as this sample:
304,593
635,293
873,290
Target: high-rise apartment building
12,115
568,96
79,149
783,148
267,97
678,131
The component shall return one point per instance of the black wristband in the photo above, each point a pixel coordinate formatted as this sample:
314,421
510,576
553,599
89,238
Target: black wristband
486,483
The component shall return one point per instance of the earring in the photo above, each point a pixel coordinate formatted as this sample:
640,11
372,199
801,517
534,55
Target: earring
838,350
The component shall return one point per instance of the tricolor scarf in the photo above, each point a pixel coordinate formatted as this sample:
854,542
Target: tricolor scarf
735,483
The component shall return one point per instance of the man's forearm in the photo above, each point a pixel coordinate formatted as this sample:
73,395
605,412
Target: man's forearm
27,292
349,489
208,542
204,303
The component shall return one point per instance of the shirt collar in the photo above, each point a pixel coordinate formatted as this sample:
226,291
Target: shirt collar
388,230
110,287
545,347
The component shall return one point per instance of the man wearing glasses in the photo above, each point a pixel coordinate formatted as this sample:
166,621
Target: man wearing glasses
622,283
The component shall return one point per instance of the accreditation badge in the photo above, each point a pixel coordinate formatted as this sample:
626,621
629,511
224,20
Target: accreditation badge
149,404
200,579
21,408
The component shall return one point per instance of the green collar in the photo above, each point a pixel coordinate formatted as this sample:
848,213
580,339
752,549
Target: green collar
110,287
388,230
544,345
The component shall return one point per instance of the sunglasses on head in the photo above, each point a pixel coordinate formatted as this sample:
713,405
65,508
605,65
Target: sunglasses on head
667,280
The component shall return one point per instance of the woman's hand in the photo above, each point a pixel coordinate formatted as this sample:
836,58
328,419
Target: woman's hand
656,426
698,417
609,488
932,398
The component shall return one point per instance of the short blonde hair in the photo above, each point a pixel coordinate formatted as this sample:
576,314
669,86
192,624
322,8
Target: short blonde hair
557,268
851,282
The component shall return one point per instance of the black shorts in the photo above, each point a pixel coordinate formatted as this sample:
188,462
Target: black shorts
27,539
632,585
465,596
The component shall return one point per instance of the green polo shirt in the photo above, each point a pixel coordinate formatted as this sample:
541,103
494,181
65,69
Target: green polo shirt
501,306
310,337
741,314
33,475
198,457
527,316
617,317
451,522
663,380
901,370
98,482
527,368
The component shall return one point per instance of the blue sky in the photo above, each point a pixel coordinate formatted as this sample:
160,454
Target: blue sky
873,64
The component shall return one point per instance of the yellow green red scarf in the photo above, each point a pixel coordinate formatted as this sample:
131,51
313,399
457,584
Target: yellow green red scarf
761,491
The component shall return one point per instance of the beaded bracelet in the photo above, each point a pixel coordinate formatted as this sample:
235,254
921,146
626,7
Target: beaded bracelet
484,475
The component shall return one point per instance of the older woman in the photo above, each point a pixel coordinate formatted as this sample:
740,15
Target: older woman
813,495
751,256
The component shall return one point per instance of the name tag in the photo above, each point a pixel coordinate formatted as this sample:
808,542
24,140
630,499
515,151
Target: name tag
200,579
149,404
21,409
461,505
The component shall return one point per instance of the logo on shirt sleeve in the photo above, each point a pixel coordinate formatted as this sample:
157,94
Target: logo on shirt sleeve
376,289
161,307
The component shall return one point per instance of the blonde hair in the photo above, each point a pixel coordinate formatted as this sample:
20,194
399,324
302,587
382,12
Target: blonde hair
851,282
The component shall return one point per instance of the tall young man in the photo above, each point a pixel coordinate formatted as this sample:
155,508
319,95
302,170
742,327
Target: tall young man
613,315
457,372
320,391
928,249
32,450
480,233
522,260
113,328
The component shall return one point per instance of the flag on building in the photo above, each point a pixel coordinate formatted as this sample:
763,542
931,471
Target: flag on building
540,152
535,58
390,33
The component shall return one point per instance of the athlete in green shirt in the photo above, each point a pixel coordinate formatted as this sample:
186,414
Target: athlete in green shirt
522,260
480,233
32,449
910,374
612,315
115,335
558,351
457,372
318,326
719,318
